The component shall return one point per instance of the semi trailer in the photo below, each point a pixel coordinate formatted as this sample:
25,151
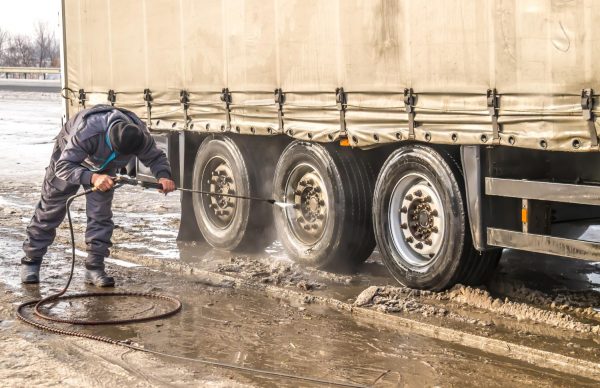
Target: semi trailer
442,131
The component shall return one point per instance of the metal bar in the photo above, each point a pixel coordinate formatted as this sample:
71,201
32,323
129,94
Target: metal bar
64,79
543,191
37,70
576,249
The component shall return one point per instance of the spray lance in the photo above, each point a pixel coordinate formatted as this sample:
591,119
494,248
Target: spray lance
127,180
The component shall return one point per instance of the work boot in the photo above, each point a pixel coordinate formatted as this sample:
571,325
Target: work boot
95,273
30,273
99,278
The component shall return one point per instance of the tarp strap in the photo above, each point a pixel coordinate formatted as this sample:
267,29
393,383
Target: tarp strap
112,97
148,99
341,99
82,98
493,104
587,106
184,98
280,100
227,99
409,104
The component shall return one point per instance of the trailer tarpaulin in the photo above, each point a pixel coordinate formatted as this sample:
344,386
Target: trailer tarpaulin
507,72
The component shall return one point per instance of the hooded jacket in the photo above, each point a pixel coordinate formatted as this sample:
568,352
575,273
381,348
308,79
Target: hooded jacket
83,148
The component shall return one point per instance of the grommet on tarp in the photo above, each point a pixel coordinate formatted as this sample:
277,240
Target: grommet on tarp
227,99
493,104
184,99
587,106
341,99
112,97
148,99
409,104
279,100
82,97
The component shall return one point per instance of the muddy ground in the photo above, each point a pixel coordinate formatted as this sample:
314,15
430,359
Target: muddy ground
536,323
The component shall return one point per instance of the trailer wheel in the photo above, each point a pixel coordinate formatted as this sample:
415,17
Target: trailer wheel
328,189
420,219
224,166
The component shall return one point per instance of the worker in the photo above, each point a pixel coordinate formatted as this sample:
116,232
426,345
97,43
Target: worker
90,149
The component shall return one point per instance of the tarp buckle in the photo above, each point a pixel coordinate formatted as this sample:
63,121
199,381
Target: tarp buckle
409,103
493,104
587,106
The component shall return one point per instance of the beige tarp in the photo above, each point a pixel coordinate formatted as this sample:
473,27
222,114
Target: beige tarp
537,54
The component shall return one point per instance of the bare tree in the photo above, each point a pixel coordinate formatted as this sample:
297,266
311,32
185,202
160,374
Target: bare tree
54,54
20,51
3,43
43,44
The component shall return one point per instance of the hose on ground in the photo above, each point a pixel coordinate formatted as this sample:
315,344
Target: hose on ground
176,303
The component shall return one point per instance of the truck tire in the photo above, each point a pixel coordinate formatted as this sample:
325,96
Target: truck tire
223,165
327,223
421,223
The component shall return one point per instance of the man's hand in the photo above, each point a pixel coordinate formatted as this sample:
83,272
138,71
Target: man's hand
102,182
167,184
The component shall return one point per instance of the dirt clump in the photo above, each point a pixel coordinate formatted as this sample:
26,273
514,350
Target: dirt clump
277,273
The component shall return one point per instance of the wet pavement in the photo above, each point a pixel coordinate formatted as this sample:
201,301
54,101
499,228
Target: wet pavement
551,306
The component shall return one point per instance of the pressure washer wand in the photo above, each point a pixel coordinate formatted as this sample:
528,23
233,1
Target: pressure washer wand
127,180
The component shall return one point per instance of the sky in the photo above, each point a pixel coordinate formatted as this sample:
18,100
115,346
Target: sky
20,16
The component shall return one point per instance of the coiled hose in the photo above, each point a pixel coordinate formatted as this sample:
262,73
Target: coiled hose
176,303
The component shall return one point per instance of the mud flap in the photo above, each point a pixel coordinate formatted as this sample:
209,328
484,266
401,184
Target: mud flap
188,228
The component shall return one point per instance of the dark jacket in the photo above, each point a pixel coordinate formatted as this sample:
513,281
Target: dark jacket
83,146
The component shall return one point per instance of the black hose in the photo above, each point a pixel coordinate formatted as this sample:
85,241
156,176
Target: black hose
176,309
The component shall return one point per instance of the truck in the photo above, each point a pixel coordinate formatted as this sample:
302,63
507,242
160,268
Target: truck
441,132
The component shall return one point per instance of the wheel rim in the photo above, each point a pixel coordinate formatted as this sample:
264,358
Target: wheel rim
218,178
308,217
416,220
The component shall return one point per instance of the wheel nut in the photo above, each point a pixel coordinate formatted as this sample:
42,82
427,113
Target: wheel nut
214,173
434,213
418,193
409,197
427,199
320,216
404,209
409,239
428,242
419,246
404,226
296,206
298,192
310,182
306,227
300,220
322,203
434,229
314,226
317,189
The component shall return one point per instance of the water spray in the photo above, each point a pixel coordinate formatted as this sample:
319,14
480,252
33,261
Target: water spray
127,180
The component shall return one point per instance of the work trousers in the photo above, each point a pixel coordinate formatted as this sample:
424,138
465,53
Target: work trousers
50,211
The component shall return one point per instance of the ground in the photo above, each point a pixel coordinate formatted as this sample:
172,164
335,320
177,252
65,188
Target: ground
535,324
